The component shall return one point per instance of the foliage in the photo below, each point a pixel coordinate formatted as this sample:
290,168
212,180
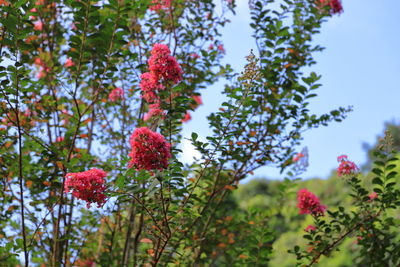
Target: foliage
359,246
77,78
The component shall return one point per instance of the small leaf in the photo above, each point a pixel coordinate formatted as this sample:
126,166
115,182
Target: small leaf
120,182
390,167
377,171
391,175
194,136
377,181
377,190
389,185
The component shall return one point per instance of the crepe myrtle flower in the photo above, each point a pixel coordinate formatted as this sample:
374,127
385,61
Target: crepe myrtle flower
150,150
308,203
346,167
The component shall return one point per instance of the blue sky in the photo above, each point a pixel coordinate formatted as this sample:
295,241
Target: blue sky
360,67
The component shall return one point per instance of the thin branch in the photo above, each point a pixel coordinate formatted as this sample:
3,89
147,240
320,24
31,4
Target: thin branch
20,165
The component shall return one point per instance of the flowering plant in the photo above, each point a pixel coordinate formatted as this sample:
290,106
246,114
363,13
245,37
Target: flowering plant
370,222
94,94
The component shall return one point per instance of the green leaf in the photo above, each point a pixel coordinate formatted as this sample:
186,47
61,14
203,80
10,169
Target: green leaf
391,184
120,182
377,190
391,175
390,167
194,136
377,181
377,171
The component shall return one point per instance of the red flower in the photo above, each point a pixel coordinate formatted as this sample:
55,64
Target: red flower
39,62
221,48
69,63
310,228
116,94
346,166
88,186
38,25
150,151
42,73
160,4
297,157
197,99
187,117
335,5
33,10
164,66
154,111
373,195
4,3
150,86
308,203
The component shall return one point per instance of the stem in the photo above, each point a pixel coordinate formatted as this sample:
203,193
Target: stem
205,228
69,227
21,188
137,236
164,209
56,242
340,239
171,12
125,255
20,166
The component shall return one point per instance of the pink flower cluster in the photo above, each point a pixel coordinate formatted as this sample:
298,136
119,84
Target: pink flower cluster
38,25
221,48
346,167
297,157
163,66
197,99
163,69
187,117
150,87
373,196
25,119
33,10
160,4
150,151
88,186
335,5
43,68
69,63
308,203
310,228
154,111
116,94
